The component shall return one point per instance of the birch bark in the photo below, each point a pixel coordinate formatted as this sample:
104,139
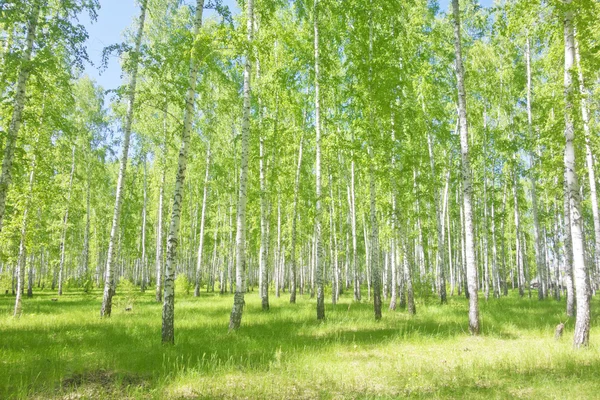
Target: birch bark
262,256
539,253
582,290
202,224
518,251
19,104
394,259
143,238
168,312
63,235
589,159
466,177
319,258
352,198
159,223
374,247
294,225
440,252
86,236
240,265
22,260
277,255
109,278
335,284
410,296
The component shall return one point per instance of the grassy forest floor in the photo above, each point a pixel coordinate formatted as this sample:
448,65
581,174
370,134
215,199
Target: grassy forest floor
64,350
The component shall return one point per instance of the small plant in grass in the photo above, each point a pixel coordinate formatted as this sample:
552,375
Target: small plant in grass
183,286
126,294
71,283
87,285
5,282
424,287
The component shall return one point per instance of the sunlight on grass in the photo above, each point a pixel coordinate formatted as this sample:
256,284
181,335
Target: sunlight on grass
64,350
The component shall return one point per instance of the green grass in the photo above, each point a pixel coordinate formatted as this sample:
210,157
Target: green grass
64,350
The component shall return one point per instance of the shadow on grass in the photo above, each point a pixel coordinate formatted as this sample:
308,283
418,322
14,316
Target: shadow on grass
67,344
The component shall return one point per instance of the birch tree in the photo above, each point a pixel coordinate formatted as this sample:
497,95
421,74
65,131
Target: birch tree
202,222
582,321
262,256
168,313
19,104
589,156
319,257
235,319
22,258
293,268
64,228
109,278
159,218
466,179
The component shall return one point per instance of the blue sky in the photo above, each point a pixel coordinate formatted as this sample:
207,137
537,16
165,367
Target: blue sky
445,4
115,16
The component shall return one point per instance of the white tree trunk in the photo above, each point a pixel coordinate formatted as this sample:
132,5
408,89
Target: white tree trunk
367,258
393,244
504,287
202,224
21,260
419,253
63,235
19,104
143,238
31,272
109,279
589,159
582,322
335,272
240,259
214,256
463,267
86,235
374,248
159,244
484,234
374,253
539,252
231,247
277,255
495,273
168,313
262,256
568,244
557,280
466,178
263,272
410,296
294,225
518,251
159,223
319,258
352,201
440,252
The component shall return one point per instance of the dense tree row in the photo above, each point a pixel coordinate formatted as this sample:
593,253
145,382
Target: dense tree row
382,147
